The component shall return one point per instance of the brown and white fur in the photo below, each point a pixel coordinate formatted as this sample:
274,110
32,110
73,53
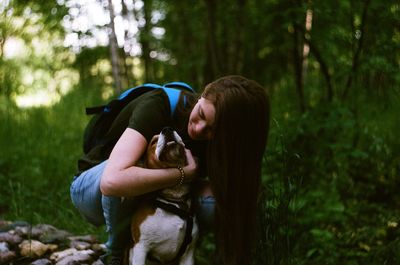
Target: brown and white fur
155,231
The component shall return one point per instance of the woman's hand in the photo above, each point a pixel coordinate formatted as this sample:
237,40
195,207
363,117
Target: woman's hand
191,168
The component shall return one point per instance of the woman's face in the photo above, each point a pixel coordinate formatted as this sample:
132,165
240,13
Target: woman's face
201,120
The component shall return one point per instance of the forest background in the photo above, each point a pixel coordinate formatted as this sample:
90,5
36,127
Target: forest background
331,170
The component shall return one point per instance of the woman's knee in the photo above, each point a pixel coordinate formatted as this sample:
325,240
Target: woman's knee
86,195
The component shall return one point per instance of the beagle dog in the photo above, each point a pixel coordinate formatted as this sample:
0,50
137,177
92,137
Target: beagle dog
164,231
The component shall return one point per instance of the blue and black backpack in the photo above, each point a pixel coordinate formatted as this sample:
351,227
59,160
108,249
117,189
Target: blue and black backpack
98,126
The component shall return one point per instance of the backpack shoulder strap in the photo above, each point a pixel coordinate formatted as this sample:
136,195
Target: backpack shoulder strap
147,87
95,110
180,85
173,98
173,91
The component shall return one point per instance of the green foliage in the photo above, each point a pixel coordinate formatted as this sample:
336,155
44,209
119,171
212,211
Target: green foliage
10,78
31,50
87,63
331,170
332,188
40,147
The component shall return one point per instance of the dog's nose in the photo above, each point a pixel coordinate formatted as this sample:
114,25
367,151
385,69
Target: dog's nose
167,131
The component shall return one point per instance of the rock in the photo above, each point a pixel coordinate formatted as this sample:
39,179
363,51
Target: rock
58,256
5,253
34,248
77,258
88,238
21,243
4,247
22,231
40,229
49,234
41,262
98,262
12,239
7,256
10,226
4,223
99,247
59,236
80,245
72,256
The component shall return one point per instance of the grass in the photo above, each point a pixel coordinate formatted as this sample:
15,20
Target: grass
40,148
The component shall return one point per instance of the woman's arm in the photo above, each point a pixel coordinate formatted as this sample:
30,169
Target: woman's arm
122,178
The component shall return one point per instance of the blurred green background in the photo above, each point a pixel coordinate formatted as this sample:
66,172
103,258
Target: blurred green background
331,172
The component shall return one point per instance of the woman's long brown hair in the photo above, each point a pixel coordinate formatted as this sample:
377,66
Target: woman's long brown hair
234,163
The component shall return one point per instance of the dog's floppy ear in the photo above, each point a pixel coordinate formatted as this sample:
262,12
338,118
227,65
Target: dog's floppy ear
154,139
149,157
178,138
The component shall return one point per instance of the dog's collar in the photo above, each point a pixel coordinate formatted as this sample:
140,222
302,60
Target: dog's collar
178,207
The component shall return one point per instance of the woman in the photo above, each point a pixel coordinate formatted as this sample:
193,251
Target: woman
226,130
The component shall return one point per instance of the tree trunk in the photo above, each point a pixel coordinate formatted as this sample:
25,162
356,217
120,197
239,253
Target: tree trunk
127,73
238,52
324,68
306,47
298,68
317,54
356,57
114,49
212,68
187,47
145,35
2,42
298,59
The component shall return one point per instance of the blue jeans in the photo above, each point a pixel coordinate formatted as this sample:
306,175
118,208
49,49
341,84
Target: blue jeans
114,213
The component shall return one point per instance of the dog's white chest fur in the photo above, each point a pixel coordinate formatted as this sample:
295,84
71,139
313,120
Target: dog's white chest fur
161,236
